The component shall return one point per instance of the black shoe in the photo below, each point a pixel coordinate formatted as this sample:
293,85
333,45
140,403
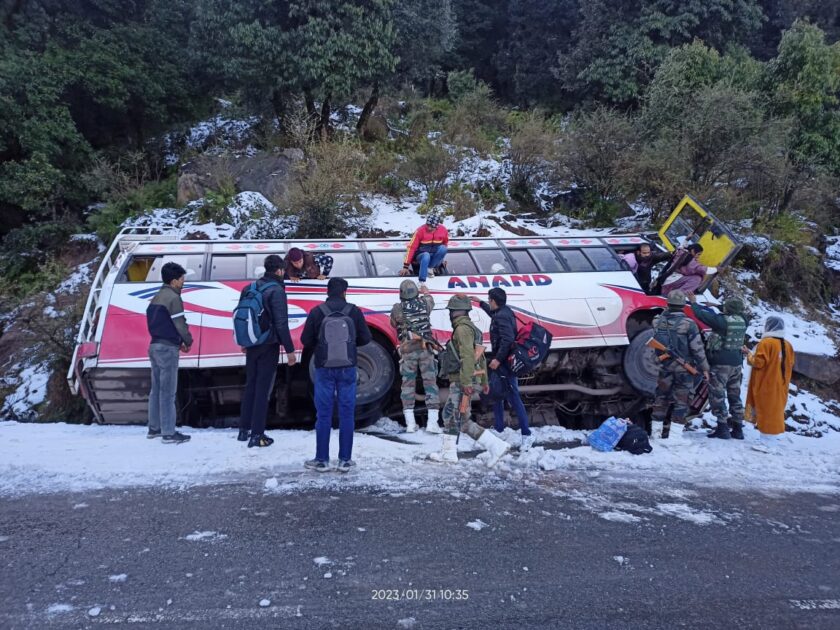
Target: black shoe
243,436
721,431
666,430
260,440
152,434
176,438
736,430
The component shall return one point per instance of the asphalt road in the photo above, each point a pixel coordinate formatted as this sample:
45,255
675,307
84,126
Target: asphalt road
552,555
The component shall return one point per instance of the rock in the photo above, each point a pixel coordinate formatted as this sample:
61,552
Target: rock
267,173
376,129
189,188
821,369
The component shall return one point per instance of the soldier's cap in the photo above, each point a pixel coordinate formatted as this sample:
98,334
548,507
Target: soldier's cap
459,302
733,306
408,290
677,298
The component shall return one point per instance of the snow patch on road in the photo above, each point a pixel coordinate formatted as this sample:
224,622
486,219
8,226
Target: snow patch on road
620,517
205,536
685,512
120,577
477,525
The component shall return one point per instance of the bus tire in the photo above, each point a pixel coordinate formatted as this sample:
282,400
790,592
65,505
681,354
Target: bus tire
375,373
640,365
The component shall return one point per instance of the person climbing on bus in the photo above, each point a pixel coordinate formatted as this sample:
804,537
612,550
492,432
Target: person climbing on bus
502,342
466,369
685,273
723,348
683,354
167,325
410,317
302,265
427,248
641,263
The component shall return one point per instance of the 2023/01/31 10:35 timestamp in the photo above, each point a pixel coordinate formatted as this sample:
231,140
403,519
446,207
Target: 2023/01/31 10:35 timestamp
420,594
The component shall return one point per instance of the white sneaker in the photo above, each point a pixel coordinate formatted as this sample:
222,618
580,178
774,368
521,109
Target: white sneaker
430,273
495,447
432,425
410,423
527,442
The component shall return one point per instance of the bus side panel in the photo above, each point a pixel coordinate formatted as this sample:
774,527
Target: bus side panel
125,336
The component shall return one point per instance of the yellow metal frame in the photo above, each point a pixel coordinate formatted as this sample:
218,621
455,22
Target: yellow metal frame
720,245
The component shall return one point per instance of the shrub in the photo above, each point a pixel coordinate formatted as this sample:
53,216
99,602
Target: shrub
462,203
107,220
794,271
531,152
461,83
429,164
324,193
27,257
477,121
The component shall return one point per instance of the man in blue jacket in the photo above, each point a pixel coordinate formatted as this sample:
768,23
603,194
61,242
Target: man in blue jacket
334,330
170,334
723,348
502,342
261,360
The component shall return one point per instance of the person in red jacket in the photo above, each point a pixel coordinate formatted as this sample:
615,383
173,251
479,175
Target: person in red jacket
427,248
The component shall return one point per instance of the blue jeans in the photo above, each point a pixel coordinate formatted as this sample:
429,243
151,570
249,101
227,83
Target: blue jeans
332,384
427,259
516,405
164,358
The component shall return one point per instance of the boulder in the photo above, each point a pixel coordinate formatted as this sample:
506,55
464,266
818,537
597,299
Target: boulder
267,173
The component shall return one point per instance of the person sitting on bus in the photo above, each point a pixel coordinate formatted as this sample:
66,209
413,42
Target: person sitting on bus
427,248
302,265
685,273
641,263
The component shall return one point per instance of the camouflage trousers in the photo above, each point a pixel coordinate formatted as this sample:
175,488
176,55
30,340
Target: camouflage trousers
674,388
450,414
422,362
725,385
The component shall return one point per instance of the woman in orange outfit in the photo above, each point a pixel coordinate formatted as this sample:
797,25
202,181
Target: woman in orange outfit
772,368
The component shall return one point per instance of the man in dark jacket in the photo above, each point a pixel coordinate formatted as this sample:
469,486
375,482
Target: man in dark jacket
333,331
723,349
261,360
502,342
642,262
168,328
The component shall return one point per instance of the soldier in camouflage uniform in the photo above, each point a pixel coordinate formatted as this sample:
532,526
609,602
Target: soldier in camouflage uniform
410,316
724,349
682,338
464,364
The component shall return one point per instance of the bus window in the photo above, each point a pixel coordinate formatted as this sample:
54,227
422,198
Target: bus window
388,263
546,260
491,261
575,260
602,258
147,268
460,263
348,265
228,267
523,261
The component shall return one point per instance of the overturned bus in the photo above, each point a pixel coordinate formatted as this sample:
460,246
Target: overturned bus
577,287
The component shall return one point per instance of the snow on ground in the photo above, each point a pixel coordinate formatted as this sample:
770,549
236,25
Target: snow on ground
30,390
832,253
805,336
61,458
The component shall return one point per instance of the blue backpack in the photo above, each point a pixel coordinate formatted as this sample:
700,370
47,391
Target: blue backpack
250,326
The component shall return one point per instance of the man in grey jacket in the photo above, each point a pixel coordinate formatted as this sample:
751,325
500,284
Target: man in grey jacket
170,334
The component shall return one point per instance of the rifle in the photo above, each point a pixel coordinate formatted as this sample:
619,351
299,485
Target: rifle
658,345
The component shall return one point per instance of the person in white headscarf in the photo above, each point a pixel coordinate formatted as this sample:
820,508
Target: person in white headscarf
772,369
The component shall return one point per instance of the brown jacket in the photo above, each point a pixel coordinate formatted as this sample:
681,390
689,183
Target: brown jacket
312,266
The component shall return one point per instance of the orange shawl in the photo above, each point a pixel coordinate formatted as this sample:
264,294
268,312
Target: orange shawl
769,382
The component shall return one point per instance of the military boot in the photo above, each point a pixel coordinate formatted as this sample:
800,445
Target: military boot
721,431
736,430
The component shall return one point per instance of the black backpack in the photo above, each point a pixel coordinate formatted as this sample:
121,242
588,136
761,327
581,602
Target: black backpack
337,337
635,440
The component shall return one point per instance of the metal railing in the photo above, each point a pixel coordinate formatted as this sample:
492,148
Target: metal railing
87,326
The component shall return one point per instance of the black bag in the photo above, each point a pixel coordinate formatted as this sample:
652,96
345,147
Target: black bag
532,345
499,384
635,440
